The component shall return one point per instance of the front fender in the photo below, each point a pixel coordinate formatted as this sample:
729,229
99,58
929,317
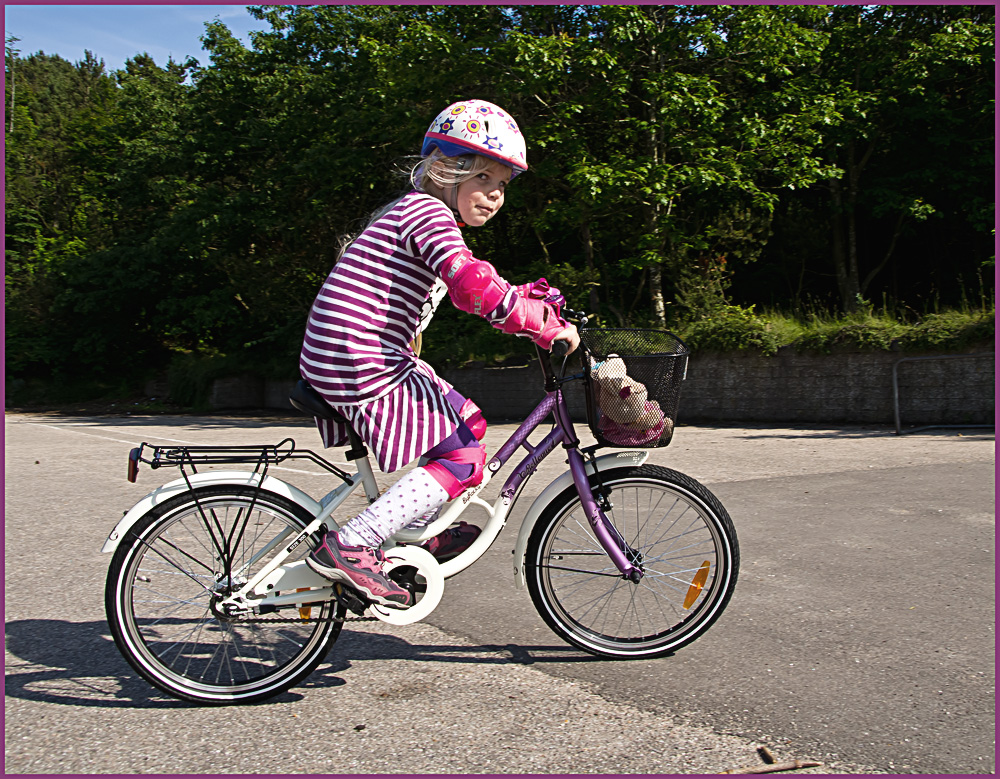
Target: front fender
176,487
630,459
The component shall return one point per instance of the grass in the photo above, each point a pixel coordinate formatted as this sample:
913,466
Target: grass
737,328
734,328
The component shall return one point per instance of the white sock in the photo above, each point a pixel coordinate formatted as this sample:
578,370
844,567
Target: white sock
416,494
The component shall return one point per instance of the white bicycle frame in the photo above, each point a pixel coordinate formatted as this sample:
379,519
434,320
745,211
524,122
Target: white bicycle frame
281,584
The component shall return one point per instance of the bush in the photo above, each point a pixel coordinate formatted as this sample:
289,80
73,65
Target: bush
730,329
870,333
950,330
190,377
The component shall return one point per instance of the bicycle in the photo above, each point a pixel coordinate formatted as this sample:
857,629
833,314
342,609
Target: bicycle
209,598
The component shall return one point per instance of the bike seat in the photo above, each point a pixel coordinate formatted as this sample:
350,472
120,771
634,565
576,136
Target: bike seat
309,401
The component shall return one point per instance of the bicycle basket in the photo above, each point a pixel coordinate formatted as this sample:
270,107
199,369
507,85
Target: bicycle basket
633,385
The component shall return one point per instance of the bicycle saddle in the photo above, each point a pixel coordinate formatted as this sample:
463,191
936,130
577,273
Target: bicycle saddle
309,401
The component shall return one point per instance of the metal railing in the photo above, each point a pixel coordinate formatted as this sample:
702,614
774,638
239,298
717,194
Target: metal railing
895,389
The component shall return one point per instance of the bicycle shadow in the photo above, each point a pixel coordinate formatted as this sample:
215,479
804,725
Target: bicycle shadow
78,664
362,645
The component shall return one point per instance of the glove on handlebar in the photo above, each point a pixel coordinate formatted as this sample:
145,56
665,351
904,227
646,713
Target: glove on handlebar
532,310
542,289
553,301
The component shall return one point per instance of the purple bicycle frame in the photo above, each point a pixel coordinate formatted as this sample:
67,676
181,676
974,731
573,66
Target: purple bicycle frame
563,433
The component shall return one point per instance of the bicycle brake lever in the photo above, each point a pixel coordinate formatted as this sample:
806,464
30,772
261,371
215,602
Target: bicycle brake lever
580,317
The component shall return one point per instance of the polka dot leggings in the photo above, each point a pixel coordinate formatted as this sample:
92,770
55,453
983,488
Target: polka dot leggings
414,495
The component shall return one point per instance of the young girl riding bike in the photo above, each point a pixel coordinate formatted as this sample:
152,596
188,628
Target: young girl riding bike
358,354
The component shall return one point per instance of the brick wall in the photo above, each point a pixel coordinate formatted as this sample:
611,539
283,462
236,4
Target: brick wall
847,387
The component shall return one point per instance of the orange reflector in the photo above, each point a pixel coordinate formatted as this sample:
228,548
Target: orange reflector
697,583
306,611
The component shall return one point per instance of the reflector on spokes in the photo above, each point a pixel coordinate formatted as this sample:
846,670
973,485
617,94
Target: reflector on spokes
697,584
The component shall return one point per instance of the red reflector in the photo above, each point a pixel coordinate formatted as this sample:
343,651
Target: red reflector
133,464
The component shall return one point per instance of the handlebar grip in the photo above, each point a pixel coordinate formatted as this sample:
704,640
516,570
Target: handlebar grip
560,348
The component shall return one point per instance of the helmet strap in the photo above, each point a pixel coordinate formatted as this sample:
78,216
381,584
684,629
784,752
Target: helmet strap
453,197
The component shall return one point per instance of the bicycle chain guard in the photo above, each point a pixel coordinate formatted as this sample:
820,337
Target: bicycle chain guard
428,576
427,581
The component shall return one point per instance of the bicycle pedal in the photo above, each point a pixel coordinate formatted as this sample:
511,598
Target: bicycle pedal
352,601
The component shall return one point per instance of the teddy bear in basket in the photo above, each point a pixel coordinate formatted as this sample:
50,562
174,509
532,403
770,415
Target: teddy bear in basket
628,416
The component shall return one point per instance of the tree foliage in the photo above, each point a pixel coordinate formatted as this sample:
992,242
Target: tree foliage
684,161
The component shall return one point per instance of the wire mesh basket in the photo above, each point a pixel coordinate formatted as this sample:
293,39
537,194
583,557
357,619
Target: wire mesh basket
634,385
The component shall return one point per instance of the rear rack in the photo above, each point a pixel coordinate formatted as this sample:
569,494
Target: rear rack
190,457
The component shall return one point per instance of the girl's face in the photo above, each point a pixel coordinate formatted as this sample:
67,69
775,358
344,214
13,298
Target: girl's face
481,196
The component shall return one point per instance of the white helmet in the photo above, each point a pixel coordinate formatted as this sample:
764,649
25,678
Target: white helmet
477,127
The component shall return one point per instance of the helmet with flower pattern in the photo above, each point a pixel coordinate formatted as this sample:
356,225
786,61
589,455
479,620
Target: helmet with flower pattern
477,127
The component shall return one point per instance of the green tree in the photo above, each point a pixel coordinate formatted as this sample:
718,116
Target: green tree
681,158
54,213
667,132
137,289
914,86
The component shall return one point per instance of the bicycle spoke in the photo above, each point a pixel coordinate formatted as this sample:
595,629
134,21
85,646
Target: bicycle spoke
175,574
675,537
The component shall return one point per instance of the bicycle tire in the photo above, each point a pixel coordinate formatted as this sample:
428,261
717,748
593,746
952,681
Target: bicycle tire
165,577
690,558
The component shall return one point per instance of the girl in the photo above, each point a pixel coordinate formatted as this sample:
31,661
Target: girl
358,350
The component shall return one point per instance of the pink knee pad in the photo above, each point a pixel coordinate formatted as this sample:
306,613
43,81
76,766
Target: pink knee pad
471,455
473,417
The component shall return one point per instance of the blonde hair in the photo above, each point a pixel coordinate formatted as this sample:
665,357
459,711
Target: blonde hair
444,172
437,169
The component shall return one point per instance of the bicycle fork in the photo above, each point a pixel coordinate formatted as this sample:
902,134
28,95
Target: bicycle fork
626,559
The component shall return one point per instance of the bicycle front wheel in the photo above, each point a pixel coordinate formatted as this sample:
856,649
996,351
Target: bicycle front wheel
170,574
680,536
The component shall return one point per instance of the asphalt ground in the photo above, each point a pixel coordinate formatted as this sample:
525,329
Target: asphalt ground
861,634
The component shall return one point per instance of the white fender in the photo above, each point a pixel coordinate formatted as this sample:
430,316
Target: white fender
630,459
176,487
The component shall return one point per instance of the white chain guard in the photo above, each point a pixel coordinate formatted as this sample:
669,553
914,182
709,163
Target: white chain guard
428,568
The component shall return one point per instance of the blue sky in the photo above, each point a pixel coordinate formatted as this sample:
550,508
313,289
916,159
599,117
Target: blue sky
115,33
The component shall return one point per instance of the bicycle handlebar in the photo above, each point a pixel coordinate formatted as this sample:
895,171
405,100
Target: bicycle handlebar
560,348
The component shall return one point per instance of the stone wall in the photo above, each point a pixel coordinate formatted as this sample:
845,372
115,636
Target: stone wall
848,387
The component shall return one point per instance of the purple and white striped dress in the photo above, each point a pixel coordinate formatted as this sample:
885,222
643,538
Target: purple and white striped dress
356,351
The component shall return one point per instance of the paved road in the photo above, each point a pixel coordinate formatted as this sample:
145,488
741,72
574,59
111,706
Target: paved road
861,633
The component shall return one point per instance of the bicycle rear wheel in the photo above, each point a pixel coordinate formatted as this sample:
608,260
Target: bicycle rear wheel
682,538
168,576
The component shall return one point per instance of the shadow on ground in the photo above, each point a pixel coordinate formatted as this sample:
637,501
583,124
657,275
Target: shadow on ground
77,664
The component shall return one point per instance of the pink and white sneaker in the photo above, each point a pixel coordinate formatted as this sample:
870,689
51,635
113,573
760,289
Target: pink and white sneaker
359,567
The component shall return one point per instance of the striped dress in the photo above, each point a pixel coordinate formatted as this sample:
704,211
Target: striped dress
356,351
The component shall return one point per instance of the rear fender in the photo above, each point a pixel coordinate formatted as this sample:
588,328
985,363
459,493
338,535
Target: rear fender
209,478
